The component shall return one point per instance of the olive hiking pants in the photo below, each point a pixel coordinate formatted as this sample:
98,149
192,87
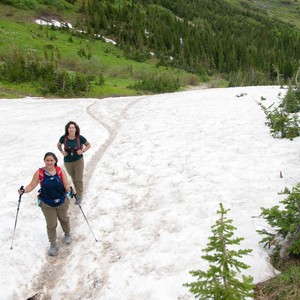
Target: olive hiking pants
52,214
75,170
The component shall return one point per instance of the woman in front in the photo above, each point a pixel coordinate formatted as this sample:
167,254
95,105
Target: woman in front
52,198
74,145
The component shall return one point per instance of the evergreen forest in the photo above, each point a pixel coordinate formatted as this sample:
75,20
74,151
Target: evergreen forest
200,36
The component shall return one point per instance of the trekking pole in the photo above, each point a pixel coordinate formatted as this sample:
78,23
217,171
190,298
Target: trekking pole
22,189
86,220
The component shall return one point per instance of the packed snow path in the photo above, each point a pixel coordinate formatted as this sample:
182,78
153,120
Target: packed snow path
154,177
52,271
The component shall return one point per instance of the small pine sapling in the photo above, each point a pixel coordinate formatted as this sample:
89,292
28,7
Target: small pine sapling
219,282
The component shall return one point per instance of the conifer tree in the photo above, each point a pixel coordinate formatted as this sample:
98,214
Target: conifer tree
284,221
219,282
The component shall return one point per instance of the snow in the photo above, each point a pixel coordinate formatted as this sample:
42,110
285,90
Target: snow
158,168
58,24
53,23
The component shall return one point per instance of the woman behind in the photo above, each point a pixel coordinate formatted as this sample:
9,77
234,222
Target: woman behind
74,145
52,198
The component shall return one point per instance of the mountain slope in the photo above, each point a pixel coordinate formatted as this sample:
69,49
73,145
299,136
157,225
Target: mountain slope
236,40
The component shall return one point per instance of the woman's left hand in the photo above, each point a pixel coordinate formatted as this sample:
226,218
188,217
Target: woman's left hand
79,151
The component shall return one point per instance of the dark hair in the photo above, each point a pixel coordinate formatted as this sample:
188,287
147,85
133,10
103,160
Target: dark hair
76,126
53,155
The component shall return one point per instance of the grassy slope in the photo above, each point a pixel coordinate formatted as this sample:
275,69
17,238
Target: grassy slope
284,10
119,72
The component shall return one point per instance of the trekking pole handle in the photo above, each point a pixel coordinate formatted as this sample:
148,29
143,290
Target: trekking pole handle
22,190
71,192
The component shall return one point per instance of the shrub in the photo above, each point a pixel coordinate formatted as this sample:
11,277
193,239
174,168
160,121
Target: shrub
285,225
282,124
291,101
23,4
157,84
51,79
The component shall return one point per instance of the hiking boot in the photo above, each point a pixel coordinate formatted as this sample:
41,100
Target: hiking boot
53,249
68,239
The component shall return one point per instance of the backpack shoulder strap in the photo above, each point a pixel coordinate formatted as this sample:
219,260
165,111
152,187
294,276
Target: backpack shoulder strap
78,141
41,176
65,142
59,173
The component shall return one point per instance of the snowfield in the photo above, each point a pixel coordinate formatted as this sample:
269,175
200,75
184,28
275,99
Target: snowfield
158,168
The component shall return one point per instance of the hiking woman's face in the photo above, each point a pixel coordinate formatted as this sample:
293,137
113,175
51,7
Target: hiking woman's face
49,161
72,129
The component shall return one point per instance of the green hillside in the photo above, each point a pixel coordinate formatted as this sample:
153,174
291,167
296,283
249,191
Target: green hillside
75,53
285,10
161,46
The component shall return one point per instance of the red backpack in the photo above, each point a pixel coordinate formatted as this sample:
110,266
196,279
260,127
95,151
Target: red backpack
58,171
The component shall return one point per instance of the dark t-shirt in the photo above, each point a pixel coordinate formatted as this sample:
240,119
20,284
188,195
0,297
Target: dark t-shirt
71,146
